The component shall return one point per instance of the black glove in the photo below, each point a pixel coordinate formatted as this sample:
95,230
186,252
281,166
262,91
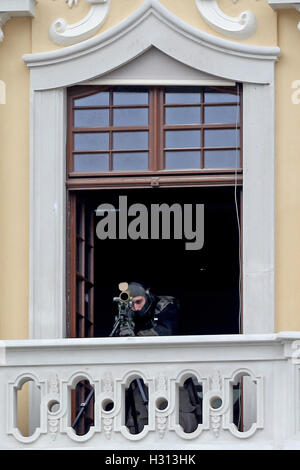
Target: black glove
126,331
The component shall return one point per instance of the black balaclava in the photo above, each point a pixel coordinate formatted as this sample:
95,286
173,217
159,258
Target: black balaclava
137,289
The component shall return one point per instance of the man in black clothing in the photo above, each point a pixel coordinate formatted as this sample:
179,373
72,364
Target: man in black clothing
152,315
156,316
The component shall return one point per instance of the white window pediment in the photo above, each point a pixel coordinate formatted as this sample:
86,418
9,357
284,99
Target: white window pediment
154,67
151,25
136,48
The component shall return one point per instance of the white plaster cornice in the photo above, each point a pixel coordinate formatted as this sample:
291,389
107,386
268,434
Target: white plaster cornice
62,33
285,5
241,27
13,8
151,24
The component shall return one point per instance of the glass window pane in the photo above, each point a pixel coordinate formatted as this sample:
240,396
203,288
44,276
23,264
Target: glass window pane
221,114
130,117
182,98
182,139
130,161
91,141
181,115
78,296
78,256
216,97
97,99
130,140
91,117
222,159
222,138
88,162
177,160
130,97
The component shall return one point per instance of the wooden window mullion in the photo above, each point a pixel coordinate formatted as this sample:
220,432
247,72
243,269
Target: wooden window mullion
110,131
81,272
152,164
71,281
159,124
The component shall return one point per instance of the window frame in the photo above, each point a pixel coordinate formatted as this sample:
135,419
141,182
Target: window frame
52,72
156,128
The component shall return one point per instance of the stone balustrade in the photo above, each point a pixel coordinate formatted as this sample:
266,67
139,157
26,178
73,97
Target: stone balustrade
247,387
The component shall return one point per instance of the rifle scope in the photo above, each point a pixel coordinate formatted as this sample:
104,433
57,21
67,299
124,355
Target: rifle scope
124,296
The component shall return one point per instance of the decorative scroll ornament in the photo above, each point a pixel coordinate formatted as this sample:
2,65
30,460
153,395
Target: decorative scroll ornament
71,3
53,385
107,383
4,17
64,34
107,425
161,384
215,383
161,424
241,27
215,424
53,427
53,416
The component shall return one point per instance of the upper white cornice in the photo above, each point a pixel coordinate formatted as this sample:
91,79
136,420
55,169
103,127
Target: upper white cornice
285,4
12,8
241,27
152,24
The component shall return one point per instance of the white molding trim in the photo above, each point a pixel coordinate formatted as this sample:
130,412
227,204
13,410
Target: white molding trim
13,8
241,27
47,301
151,25
258,208
52,72
62,33
285,5
127,82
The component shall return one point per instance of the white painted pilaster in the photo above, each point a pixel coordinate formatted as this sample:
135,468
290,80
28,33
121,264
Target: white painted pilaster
47,215
258,208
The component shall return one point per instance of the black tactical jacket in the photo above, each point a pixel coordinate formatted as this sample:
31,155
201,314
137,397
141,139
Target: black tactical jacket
160,320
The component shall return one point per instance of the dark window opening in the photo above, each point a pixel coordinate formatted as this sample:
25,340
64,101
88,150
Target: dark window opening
206,282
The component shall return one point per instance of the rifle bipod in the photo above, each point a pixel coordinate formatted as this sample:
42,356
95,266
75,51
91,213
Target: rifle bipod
84,404
83,407
131,403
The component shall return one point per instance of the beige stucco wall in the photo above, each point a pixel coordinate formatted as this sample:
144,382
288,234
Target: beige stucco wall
24,35
287,176
14,183
14,192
